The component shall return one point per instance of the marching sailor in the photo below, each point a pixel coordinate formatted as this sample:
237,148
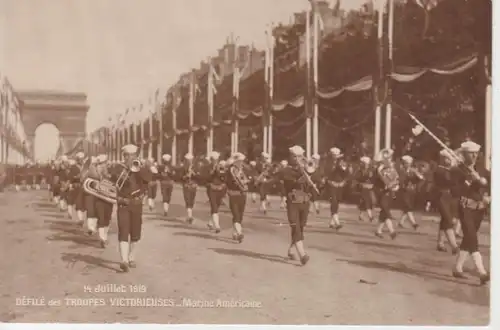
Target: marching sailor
129,204
283,164
297,193
365,178
387,183
409,178
73,181
265,171
189,185
153,184
63,179
217,189
317,177
336,180
90,200
473,192
166,177
237,188
79,194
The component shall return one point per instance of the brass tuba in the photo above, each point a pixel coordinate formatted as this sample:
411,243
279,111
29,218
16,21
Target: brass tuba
239,177
389,176
103,189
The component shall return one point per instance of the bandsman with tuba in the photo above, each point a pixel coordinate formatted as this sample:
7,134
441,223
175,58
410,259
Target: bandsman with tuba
217,189
336,178
297,186
473,190
90,200
387,184
77,177
189,176
409,178
132,180
166,177
237,188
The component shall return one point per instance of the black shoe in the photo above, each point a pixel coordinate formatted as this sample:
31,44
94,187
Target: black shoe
457,274
291,256
304,259
132,264
217,230
103,244
394,235
483,279
454,251
124,267
240,238
210,226
338,227
165,214
379,235
190,220
317,212
441,248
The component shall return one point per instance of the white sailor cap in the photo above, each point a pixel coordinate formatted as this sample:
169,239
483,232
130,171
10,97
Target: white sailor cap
102,158
253,163
238,156
284,162
72,162
469,146
316,157
130,149
365,159
166,157
386,153
80,155
188,156
297,150
407,159
151,160
264,155
93,159
223,163
215,155
336,152
64,158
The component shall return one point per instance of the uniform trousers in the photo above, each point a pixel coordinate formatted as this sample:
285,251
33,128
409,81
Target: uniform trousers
103,212
215,196
335,196
264,188
237,204
367,199
470,219
447,207
130,221
297,214
80,196
90,205
152,190
408,200
166,191
189,193
385,200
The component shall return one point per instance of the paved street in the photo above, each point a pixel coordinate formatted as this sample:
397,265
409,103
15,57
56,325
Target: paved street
352,277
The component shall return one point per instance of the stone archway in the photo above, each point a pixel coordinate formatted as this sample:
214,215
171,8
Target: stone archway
66,111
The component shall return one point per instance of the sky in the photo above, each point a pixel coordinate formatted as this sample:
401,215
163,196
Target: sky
120,51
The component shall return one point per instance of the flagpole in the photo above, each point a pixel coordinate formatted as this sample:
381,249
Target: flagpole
191,113
210,100
150,137
236,95
388,113
271,96
307,102
315,121
267,58
378,105
174,126
159,109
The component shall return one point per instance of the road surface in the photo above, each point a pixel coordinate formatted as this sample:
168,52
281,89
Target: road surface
352,278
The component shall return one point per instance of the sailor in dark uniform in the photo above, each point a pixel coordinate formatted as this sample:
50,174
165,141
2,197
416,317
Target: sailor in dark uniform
474,196
365,178
166,177
336,177
409,179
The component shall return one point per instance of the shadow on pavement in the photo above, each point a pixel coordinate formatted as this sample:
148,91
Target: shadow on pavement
470,295
403,269
65,231
329,231
72,259
207,236
385,245
254,255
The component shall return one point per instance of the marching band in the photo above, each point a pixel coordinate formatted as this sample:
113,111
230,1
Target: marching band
88,188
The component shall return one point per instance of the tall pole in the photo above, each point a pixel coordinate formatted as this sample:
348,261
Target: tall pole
174,126
236,98
192,91
210,103
159,111
388,113
315,122
271,97
488,117
151,118
308,82
267,105
378,109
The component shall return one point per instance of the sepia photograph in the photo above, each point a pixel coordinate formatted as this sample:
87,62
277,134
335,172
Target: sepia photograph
279,162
